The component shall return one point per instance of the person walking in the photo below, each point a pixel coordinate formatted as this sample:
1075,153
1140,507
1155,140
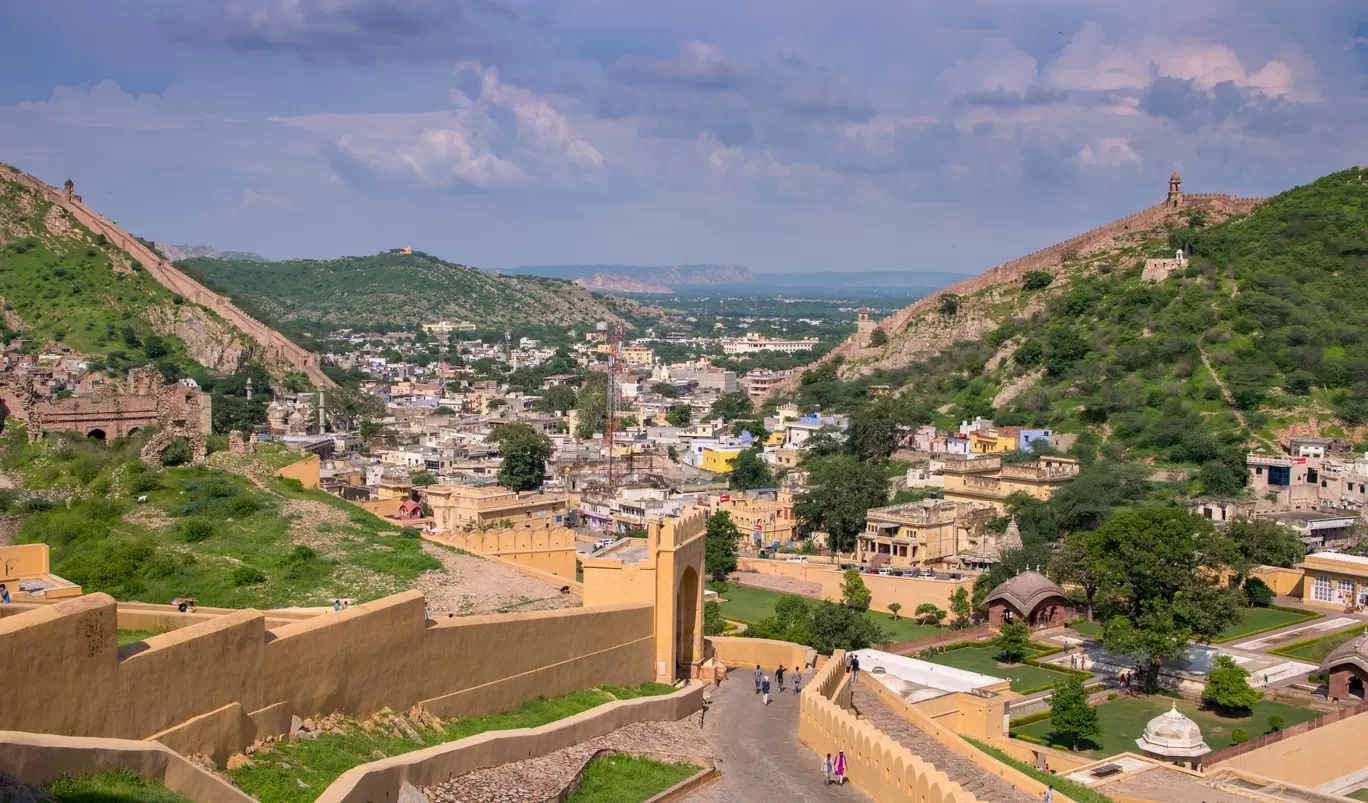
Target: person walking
855,670
840,767
337,605
4,595
797,679
779,676
759,676
827,770
764,689
1049,794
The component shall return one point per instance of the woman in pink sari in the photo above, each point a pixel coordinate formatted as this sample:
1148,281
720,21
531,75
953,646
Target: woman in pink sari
840,767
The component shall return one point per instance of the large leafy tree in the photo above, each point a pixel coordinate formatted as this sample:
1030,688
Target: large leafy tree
720,546
1227,685
1161,580
731,406
557,399
841,490
1263,543
1070,713
748,471
525,452
592,405
1078,562
1012,640
681,415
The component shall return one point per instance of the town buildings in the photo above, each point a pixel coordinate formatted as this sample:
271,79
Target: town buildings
985,478
924,533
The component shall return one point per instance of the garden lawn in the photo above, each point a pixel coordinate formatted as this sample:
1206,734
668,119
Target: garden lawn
1124,721
1317,650
1089,629
316,763
1263,619
750,605
120,785
984,661
1361,794
628,779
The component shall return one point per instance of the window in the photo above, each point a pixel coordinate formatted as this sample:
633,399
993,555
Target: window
1258,470
1312,475
1320,589
1279,475
1346,592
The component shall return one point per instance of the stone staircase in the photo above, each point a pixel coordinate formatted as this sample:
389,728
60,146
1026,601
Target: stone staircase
972,778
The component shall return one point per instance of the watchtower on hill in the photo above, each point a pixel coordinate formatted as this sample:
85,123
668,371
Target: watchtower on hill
864,326
1175,195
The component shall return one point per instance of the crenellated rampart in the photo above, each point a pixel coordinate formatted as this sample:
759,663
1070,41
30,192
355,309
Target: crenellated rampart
278,346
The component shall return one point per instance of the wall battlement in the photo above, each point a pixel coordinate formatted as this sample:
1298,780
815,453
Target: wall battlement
277,345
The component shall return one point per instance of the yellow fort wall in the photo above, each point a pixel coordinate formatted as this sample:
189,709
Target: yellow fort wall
909,592
548,551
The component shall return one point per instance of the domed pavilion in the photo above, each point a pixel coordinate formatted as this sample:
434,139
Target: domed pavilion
1348,669
1172,735
1030,597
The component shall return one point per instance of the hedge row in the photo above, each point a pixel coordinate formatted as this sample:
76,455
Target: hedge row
1306,616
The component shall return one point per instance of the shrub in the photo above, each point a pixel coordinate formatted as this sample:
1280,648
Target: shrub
248,576
292,484
1275,723
1037,280
177,454
1112,696
1239,736
243,505
142,483
36,505
197,530
409,532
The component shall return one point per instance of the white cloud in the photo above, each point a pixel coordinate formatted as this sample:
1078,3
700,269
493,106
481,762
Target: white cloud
1108,152
104,105
536,123
997,66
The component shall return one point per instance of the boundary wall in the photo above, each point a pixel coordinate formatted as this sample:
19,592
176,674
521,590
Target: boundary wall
216,686
169,276
1309,754
548,551
876,764
744,653
906,591
381,780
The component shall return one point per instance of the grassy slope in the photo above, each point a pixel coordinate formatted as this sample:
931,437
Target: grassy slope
112,786
318,762
399,289
206,533
628,779
1275,299
63,285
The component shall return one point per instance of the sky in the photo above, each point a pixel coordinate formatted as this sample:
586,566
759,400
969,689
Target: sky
785,136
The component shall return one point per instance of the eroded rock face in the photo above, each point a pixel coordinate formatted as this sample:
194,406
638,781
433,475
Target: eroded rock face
210,343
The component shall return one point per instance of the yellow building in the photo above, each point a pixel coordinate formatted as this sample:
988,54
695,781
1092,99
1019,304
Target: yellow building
638,355
718,459
984,478
992,440
771,519
1334,580
920,533
457,506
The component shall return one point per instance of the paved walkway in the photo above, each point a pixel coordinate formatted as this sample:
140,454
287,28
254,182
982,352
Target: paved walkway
961,770
756,749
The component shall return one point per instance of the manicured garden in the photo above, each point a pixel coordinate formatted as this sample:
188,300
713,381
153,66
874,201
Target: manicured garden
1318,649
628,779
750,605
984,660
1253,620
1124,720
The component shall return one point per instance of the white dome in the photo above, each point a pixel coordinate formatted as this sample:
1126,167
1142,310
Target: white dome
1172,734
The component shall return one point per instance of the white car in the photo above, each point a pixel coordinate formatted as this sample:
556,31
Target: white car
885,572
799,559
604,543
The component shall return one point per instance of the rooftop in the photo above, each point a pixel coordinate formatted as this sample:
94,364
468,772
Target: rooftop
913,679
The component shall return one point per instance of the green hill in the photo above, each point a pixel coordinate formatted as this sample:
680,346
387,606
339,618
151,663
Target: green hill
399,290
1275,302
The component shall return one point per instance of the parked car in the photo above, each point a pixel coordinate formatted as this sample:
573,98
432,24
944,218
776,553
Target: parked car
885,572
796,559
604,543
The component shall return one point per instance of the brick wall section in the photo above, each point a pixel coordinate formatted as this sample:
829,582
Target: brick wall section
276,344
974,633
1045,259
1273,738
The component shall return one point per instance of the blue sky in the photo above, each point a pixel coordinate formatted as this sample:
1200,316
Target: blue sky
793,135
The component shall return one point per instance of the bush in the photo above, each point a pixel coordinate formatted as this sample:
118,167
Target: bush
196,530
177,454
1275,723
36,505
1239,736
243,505
248,576
142,483
1037,280
409,532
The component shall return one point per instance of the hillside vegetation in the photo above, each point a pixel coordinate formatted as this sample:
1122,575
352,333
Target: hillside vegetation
397,290
1274,302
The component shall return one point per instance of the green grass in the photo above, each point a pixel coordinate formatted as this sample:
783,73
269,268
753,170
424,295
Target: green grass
1089,629
628,779
1076,792
318,762
750,605
1124,721
132,636
120,785
984,661
1361,794
1260,620
1318,649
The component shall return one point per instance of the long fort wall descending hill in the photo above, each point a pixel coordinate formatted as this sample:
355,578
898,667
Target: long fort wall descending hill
1049,258
277,345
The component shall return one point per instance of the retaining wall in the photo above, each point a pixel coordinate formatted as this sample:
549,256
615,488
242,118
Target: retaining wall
745,653
909,592
1309,754
549,552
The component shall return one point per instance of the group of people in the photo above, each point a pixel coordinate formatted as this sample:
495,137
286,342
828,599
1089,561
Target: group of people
762,681
1124,680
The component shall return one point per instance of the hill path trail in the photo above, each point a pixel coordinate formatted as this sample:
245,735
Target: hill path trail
1229,397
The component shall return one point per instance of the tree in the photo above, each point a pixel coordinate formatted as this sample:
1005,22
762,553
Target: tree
557,399
681,415
592,405
1070,712
713,623
731,406
839,627
422,478
894,607
720,546
1012,640
1263,543
961,606
1275,723
525,452
949,305
841,490
1258,592
1037,279
873,432
854,592
665,389
672,453
878,337
928,614
1227,686
344,406
748,472
1078,563
1162,586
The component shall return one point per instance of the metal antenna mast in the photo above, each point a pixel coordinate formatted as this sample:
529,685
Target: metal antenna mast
615,367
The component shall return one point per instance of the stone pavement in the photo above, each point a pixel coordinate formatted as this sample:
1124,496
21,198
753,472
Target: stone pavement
758,753
967,774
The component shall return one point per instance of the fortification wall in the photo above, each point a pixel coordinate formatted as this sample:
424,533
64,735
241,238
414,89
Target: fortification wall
767,653
277,345
877,765
1308,754
1044,259
547,551
908,592
215,686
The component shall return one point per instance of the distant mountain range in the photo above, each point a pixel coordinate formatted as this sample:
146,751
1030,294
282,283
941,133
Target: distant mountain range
176,253
685,278
668,275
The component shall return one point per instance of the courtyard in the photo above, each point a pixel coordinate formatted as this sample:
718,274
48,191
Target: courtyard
750,605
984,660
1124,721
1316,650
1254,620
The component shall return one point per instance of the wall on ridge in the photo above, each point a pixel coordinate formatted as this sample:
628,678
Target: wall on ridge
243,682
170,277
551,551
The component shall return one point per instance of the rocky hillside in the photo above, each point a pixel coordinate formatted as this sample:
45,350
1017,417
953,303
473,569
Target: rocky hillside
396,288
1253,338
63,284
176,253
613,283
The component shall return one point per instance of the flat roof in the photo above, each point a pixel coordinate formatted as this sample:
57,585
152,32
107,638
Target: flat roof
923,674
1338,556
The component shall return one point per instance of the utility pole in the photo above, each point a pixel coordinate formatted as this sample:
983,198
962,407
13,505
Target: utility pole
610,427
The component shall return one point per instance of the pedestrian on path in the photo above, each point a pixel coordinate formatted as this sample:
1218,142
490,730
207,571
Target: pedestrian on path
4,595
759,676
779,676
797,679
764,687
840,767
827,770
855,670
1049,794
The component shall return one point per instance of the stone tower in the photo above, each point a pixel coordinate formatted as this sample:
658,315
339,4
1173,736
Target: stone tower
863,326
67,189
1175,195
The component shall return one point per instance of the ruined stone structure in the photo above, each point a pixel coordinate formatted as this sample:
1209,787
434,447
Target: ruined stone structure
279,347
1048,259
176,410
